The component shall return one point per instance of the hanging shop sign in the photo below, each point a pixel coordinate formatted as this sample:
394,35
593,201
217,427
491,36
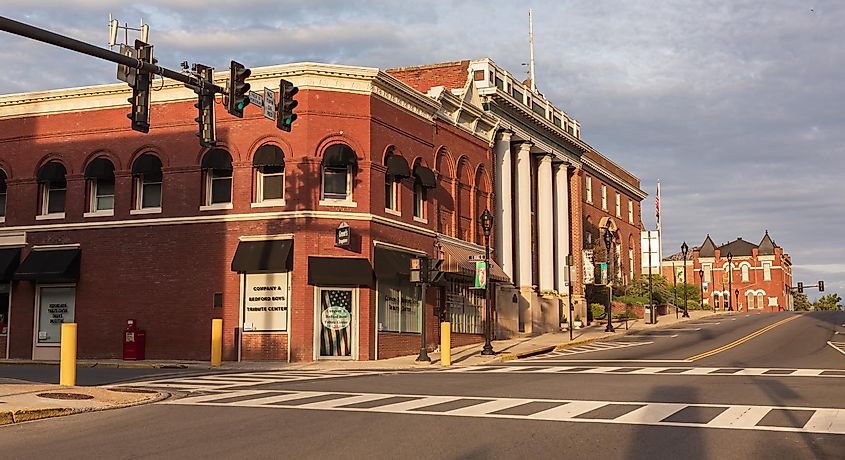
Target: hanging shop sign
343,235
266,302
480,275
589,268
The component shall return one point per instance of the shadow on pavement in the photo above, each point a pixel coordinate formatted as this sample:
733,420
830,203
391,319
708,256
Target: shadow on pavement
671,443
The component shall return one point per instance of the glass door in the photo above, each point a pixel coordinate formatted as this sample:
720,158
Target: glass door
335,325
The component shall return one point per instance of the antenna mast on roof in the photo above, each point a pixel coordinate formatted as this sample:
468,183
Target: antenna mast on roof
531,46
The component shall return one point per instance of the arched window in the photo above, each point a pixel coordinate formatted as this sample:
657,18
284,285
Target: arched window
750,299
52,183
2,194
423,181
396,169
717,301
339,162
217,178
146,182
268,165
99,182
744,270
760,295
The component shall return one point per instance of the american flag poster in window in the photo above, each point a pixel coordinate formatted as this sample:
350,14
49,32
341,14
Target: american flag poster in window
336,323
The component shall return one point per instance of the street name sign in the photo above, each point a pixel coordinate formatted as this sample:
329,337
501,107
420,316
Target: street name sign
269,104
256,99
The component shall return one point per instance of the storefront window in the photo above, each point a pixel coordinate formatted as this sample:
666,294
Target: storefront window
464,306
399,306
56,305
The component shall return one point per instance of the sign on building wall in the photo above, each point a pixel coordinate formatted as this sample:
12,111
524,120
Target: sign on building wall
589,268
650,244
56,305
266,302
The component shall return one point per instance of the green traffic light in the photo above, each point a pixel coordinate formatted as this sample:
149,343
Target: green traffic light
242,104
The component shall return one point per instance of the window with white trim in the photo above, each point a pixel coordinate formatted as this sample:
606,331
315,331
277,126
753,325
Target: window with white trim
708,272
588,187
419,200
99,178
337,183
391,193
270,183
630,212
146,182
618,205
53,184
217,172
767,271
744,270
604,197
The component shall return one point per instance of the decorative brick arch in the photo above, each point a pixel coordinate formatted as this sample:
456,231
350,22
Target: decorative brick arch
444,195
270,140
57,157
464,191
152,150
103,153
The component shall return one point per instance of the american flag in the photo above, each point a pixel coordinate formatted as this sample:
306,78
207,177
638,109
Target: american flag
657,203
336,342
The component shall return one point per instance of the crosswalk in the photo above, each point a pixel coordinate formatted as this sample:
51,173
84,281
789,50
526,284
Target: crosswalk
632,370
838,346
587,348
744,417
234,381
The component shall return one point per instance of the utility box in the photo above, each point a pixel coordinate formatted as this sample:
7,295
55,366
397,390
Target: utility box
134,342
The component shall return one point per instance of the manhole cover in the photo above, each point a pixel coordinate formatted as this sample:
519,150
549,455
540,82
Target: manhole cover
65,396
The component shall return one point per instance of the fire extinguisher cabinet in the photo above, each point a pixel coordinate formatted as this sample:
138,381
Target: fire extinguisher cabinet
134,342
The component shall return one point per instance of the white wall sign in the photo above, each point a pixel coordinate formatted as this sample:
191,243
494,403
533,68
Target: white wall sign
266,302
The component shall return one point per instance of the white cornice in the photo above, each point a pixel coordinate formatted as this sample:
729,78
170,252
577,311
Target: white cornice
589,163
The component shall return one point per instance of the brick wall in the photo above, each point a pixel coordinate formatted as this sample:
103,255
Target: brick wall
422,78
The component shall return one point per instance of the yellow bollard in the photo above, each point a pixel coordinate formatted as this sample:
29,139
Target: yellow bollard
445,344
67,368
216,342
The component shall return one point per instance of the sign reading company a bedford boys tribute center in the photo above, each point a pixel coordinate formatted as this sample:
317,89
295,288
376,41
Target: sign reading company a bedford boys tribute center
266,302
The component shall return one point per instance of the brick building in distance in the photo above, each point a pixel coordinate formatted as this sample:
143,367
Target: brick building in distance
101,224
760,275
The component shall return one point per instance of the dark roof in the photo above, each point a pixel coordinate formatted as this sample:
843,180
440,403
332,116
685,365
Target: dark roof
767,246
708,248
679,257
737,247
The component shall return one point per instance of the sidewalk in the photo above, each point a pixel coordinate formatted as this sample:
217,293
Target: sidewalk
25,402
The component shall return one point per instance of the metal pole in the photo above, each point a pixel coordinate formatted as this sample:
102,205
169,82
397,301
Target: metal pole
701,286
52,38
488,325
423,357
651,315
675,287
569,285
609,311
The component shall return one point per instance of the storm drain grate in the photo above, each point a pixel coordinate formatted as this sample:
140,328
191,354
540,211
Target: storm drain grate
67,396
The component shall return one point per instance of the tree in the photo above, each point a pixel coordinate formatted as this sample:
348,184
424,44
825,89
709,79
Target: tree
828,302
801,303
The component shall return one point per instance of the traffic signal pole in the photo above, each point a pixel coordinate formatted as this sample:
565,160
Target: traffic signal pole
52,38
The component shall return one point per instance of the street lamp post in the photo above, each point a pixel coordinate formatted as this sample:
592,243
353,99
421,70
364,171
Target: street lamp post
684,252
675,287
701,285
486,227
730,280
608,242
736,296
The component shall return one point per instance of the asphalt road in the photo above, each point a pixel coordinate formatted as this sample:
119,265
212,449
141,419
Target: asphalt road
757,386
85,376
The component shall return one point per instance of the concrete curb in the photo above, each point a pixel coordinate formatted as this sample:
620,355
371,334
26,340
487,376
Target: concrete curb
90,364
25,415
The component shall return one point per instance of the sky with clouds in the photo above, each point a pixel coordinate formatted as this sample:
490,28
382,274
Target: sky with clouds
736,106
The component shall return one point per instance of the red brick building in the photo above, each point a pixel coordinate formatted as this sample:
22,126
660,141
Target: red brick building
759,275
101,224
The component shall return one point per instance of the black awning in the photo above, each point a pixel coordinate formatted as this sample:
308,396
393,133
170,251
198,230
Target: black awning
147,165
271,256
53,266
389,264
99,168
217,159
339,271
339,155
268,155
425,176
397,167
52,172
9,260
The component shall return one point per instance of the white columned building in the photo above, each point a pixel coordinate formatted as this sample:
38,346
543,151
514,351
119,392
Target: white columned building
522,205
561,204
545,224
504,199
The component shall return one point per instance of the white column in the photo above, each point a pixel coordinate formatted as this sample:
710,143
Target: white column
504,203
561,225
522,205
545,224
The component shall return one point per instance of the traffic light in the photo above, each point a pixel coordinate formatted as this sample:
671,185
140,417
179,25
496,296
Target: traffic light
285,116
821,286
238,97
800,287
416,270
140,99
205,105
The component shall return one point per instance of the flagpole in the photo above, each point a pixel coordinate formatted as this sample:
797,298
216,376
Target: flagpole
659,227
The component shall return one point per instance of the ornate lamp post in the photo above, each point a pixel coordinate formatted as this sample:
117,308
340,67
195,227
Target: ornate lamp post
684,252
486,226
701,285
736,297
608,242
730,280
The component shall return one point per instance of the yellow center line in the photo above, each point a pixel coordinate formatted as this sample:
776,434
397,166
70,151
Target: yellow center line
741,340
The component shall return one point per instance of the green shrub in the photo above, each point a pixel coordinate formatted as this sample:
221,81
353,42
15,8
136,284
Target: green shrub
598,310
629,314
632,300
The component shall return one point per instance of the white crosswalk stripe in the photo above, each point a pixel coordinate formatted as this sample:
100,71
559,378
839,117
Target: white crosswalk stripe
240,379
587,348
639,370
838,346
745,417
